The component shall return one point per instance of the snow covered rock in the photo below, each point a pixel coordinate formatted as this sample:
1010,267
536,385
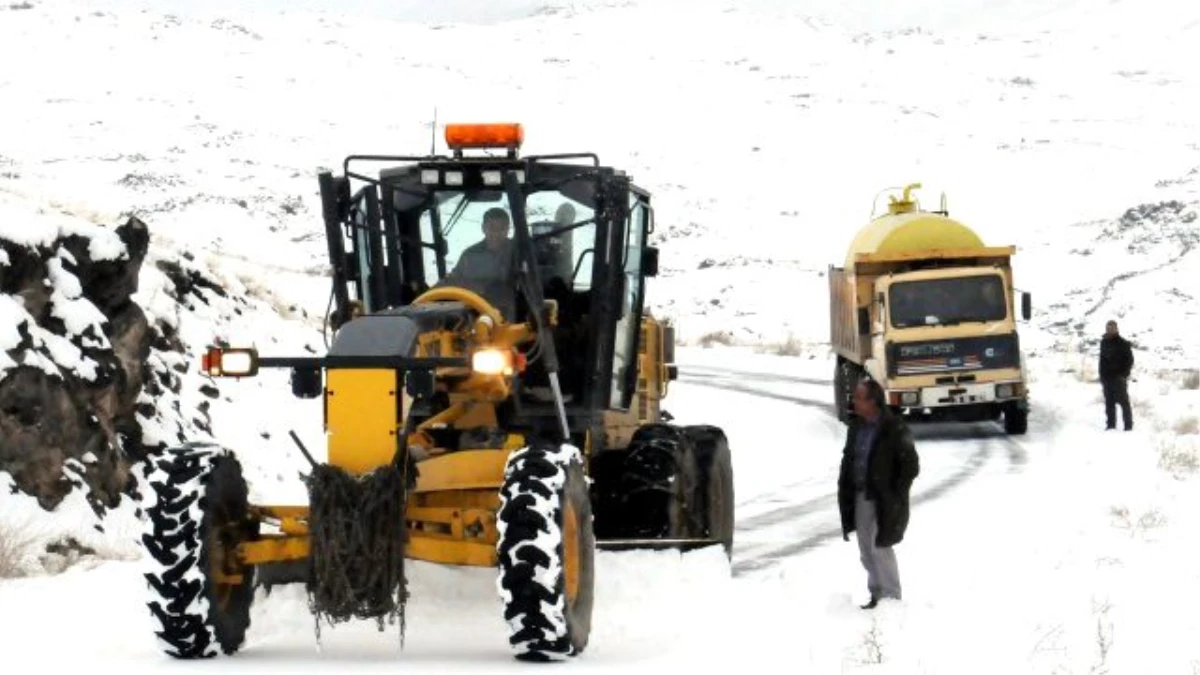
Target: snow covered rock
72,352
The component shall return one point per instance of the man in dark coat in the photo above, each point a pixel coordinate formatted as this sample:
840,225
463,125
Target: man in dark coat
879,464
1116,362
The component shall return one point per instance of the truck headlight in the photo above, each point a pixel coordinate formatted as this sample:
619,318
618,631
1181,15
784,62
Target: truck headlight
910,398
492,362
1004,391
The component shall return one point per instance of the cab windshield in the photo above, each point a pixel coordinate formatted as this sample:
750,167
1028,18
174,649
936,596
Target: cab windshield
946,302
477,230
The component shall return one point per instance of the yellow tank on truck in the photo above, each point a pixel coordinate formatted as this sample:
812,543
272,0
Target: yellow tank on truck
904,230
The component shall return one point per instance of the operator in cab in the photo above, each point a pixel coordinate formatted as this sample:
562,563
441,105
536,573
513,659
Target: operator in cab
485,267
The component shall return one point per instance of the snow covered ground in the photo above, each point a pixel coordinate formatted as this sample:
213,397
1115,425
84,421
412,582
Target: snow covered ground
1066,549
764,131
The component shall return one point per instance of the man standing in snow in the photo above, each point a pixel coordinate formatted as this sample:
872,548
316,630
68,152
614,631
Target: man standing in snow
1116,362
879,464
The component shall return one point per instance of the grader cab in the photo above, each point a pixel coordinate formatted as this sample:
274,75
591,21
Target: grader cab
491,398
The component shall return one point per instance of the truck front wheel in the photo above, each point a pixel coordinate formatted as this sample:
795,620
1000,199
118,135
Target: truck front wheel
1016,420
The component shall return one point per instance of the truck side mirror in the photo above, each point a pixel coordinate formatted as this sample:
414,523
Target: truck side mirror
864,321
1026,306
650,261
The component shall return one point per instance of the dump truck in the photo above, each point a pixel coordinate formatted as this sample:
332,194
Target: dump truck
491,395
923,307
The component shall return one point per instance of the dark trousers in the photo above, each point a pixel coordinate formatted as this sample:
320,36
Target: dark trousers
1116,392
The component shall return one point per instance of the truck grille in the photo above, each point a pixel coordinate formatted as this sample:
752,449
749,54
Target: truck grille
955,355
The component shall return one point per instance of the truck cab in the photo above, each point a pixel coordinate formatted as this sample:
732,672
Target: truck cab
929,311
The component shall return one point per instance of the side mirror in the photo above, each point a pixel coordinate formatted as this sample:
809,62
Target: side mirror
306,382
668,341
864,321
650,261
672,372
420,383
1026,306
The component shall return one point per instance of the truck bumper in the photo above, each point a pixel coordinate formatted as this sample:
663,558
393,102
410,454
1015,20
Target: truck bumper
964,394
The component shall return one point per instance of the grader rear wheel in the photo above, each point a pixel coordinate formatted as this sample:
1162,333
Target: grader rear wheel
714,467
546,552
658,486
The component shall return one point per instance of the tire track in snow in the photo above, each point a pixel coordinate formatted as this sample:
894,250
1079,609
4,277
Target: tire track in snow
1107,290
774,555
786,513
719,382
727,373
767,555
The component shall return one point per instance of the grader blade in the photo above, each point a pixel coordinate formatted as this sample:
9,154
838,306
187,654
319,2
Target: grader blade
683,545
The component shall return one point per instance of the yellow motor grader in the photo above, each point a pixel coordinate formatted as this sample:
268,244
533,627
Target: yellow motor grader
491,398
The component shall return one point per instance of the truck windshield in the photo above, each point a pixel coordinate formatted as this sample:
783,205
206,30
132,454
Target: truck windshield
945,302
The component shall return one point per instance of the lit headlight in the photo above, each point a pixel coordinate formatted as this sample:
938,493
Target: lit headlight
454,178
490,177
429,177
233,362
1004,391
492,362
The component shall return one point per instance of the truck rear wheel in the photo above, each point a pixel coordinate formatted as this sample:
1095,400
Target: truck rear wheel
846,375
195,516
546,552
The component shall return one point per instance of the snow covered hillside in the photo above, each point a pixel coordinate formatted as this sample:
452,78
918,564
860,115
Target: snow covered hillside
764,129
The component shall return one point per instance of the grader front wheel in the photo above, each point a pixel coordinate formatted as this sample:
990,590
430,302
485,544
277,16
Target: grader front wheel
195,516
546,552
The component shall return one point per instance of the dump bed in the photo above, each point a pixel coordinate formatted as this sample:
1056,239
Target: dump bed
893,262
847,338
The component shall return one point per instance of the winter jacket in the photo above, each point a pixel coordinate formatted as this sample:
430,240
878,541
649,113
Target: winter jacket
1116,357
891,469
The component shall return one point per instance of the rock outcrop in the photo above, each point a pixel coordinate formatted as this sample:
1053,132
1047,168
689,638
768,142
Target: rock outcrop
73,349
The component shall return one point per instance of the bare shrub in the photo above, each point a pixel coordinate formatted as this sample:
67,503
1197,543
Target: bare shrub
1187,425
1149,520
1081,364
1177,455
15,544
721,337
789,347
1104,637
1190,380
872,645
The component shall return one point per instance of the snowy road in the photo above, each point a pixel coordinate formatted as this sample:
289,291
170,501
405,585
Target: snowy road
797,516
786,447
